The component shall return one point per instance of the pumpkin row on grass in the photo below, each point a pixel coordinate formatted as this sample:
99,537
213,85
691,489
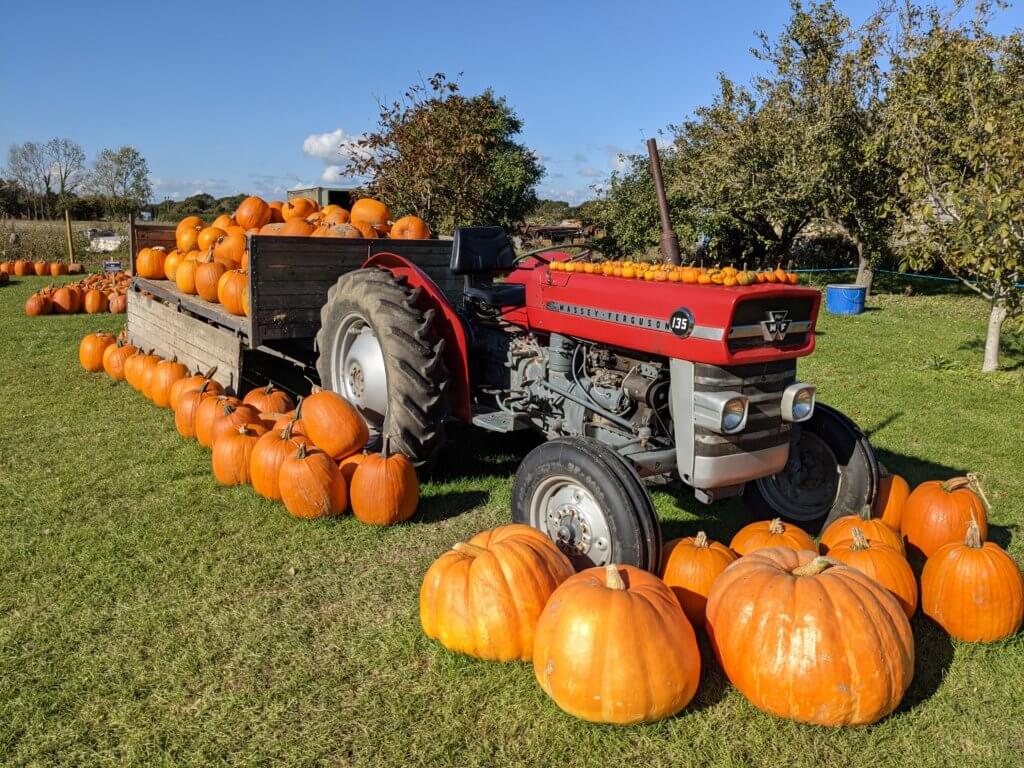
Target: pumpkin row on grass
94,294
26,268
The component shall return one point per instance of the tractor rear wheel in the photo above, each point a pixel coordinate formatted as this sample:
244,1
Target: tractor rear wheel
590,501
378,350
832,471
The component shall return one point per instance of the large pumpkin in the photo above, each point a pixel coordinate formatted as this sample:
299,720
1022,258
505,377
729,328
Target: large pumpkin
385,489
230,288
253,212
613,646
208,274
873,528
893,492
147,372
410,228
269,399
296,227
149,263
371,212
770,533
91,348
938,513
38,304
230,248
882,563
192,383
189,222
311,484
67,300
483,598
805,637
334,214
298,208
231,453
267,457
187,407
187,237
115,358
166,373
207,412
95,301
231,417
185,276
333,424
973,589
689,568
208,237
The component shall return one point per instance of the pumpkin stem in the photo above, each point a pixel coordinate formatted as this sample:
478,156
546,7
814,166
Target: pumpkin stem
973,538
700,540
776,527
301,453
228,409
612,577
470,550
385,446
209,373
815,566
956,483
865,513
269,388
205,385
286,433
243,429
975,485
860,541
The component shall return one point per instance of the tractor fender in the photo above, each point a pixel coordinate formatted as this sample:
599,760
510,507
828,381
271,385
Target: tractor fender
447,323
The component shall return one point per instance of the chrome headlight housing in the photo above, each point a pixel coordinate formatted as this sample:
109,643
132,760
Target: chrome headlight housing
798,402
722,412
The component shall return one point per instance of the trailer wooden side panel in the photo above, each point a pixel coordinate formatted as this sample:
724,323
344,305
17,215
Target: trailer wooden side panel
153,324
148,236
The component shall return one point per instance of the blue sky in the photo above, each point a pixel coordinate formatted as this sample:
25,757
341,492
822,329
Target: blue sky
228,97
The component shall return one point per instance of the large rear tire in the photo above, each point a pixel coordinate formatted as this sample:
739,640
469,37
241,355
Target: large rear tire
832,471
590,501
378,349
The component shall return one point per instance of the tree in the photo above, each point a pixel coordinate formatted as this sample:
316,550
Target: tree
956,117
122,176
449,158
67,164
29,166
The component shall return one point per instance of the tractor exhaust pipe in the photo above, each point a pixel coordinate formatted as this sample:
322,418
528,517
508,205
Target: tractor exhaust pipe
669,241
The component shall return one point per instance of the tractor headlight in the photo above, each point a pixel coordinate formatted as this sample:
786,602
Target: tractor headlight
798,402
722,412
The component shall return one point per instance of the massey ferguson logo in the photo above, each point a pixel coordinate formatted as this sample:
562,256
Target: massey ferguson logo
776,326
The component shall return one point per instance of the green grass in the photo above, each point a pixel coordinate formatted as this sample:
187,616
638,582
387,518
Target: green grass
149,617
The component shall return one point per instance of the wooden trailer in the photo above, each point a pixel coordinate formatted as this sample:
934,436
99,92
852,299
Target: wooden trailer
288,282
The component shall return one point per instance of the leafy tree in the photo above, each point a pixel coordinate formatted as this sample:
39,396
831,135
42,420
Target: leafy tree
956,115
122,177
449,158
67,164
549,212
29,167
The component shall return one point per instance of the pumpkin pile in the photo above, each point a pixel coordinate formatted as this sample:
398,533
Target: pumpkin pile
212,261
308,455
836,614
667,273
94,294
25,268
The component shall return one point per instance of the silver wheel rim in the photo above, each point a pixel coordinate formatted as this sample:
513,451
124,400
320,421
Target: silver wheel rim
805,489
569,514
358,370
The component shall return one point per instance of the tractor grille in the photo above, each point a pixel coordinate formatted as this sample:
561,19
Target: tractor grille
746,331
763,383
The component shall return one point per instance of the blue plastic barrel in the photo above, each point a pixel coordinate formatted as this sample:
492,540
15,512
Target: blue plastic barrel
845,299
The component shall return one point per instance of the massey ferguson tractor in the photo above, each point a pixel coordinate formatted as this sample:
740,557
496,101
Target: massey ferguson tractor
626,379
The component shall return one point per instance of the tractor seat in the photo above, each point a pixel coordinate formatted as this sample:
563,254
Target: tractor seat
497,294
482,251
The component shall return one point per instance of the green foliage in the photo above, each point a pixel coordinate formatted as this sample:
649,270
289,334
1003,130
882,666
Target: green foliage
449,158
121,177
549,212
207,207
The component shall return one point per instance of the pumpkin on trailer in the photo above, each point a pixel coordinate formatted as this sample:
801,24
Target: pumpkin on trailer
689,568
334,214
149,263
185,276
230,288
230,248
805,637
224,221
91,348
193,383
333,424
298,208
267,457
208,274
372,213
311,484
874,529
938,513
385,489
208,237
882,563
166,374
410,228
617,618
973,589
114,359
770,533
483,597
337,230
231,453
269,399
893,492
207,412
252,212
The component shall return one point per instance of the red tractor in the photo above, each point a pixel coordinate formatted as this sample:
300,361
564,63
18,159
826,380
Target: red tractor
627,380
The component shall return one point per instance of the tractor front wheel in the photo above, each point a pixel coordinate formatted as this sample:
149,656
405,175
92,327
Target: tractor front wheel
590,501
832,471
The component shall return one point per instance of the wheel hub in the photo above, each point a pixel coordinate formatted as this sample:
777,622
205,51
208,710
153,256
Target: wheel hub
362,377
809,484
572,518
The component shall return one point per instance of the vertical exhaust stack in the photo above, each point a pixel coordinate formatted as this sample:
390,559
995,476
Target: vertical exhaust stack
669,241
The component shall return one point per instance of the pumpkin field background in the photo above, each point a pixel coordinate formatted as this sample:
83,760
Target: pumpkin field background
151,617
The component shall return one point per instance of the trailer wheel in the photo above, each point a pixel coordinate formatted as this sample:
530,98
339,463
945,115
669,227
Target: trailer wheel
590,501
378,350
832,471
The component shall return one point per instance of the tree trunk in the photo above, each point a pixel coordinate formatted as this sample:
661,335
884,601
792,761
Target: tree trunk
865,272
995,328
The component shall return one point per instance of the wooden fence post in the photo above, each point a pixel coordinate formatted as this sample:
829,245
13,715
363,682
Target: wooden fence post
67,230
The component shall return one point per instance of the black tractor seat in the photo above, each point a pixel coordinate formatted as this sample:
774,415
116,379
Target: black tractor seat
481,254
497,294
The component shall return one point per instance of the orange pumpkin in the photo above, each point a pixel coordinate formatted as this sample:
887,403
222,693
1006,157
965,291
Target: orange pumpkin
231,417
298,208
37,304
208,274
193,383
893,492
938,512
882,563
91,349
410,228
770,533
114,359
689,568
311,484
230,288
272,229
193,223
483,597
188,239
67,300
41,268
269,399
366,230
296,227
207,412
616,618
224,221
973,589
334,214
174,258
875,529
165,375
333,424
337,230
96,301
252,212
385,489
370,212
208,237
117,303
230,248
805,637
349,464
185,276
58,268
187,407
275,212
231,453
267,457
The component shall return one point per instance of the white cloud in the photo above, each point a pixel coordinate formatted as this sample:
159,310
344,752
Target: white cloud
332,146
331,174
181,188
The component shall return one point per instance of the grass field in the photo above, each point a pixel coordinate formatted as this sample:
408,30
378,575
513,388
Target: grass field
149,617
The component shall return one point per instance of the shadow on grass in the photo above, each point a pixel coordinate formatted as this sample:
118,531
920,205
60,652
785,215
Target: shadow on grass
933,655
471,452
441,506
1011,350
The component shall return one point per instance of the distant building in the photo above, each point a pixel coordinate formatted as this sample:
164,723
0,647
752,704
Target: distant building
326,195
